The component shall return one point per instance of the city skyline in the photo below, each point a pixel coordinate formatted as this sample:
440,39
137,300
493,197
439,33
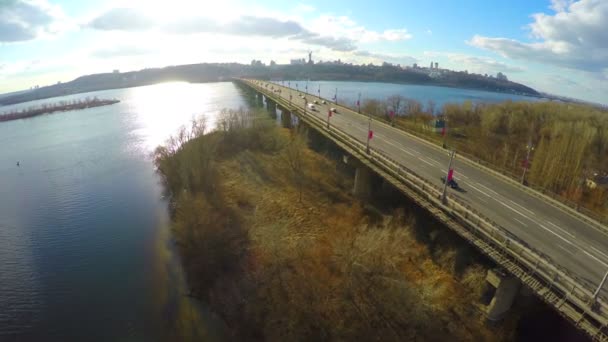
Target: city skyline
555,46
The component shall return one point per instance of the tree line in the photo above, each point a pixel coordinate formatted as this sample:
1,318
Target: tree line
568,142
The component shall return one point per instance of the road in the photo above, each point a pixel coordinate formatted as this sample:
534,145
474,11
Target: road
574,244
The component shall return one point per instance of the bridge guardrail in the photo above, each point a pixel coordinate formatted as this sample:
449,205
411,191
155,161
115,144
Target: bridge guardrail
583,213
573,288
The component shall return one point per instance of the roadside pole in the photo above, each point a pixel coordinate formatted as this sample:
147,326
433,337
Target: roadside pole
529,148
369,132
328,117
599,288
359,104
447,178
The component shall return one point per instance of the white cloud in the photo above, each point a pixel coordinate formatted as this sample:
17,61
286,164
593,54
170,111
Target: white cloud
304,8
476,64
575,37
22,20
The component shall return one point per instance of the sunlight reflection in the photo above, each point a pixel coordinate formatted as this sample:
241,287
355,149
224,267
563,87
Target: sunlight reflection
161,109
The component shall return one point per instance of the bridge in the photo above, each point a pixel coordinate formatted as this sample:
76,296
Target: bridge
555,251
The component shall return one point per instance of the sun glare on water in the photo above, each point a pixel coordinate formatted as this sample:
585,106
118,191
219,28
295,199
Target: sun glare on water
163,108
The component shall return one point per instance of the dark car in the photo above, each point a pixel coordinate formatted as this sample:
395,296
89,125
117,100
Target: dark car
452,183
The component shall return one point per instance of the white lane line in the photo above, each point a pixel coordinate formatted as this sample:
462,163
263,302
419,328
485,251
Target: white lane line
422,159
523,224
474,187
565,249
438,163
600,252
399,147
463,176
560,228
444,171
594,258
526,209
554,233
515,210
485,187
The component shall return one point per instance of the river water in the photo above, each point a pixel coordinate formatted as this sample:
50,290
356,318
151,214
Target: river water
85,248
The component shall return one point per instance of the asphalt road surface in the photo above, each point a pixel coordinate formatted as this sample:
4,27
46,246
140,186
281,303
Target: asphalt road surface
570,242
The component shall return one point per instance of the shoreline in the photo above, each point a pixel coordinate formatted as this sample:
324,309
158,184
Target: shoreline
56,107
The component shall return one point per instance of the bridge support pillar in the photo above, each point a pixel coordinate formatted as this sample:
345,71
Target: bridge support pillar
271,106
507,287
363,182
286,118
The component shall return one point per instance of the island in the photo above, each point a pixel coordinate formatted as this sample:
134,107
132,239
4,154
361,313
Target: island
62,106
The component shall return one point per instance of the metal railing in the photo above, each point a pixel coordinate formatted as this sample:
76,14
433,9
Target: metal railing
569,294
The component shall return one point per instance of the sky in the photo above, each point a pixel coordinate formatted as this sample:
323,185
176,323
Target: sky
554,46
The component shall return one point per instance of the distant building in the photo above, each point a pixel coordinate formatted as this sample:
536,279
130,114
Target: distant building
501,76
431,65
415,65
116,71
436,65
273,63
297,61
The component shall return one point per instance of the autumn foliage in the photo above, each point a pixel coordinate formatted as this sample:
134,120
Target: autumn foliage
280,250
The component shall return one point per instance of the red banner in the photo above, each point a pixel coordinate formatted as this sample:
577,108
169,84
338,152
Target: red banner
370,134
329,113
450,174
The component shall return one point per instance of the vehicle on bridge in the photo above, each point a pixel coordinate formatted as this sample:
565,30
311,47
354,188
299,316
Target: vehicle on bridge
333,110
312,107
323,102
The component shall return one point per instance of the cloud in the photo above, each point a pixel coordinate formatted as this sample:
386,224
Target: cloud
573,37
122,19
22,20
125,19
304,8
380,57
121,51
476,63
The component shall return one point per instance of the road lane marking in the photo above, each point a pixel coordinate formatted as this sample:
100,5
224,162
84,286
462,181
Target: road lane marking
526,209
523,224
483,192
560,228
422,159
463,176
554,233
565,249
438,163
485,187
593,257
399,147
600,252
515,210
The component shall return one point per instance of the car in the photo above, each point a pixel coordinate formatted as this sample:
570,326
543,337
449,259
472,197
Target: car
452,183
333,110
316,102
323,102
312,107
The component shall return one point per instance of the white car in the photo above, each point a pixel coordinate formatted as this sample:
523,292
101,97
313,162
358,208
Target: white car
311,106
333,110
323,102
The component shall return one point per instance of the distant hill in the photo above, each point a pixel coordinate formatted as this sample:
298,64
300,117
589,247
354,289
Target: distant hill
207,72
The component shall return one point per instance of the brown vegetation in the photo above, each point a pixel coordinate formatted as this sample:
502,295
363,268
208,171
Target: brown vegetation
272,240
61,106
570,141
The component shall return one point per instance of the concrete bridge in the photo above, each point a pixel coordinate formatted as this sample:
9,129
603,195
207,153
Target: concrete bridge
557,253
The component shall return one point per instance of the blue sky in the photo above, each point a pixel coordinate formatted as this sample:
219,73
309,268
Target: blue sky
556,46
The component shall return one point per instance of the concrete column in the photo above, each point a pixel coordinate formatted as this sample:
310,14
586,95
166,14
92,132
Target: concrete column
363,182
507,287
286,118
271,106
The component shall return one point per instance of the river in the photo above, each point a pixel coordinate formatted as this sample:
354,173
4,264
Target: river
85,247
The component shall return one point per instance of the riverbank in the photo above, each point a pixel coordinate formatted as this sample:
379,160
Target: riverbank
62,106
272,240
